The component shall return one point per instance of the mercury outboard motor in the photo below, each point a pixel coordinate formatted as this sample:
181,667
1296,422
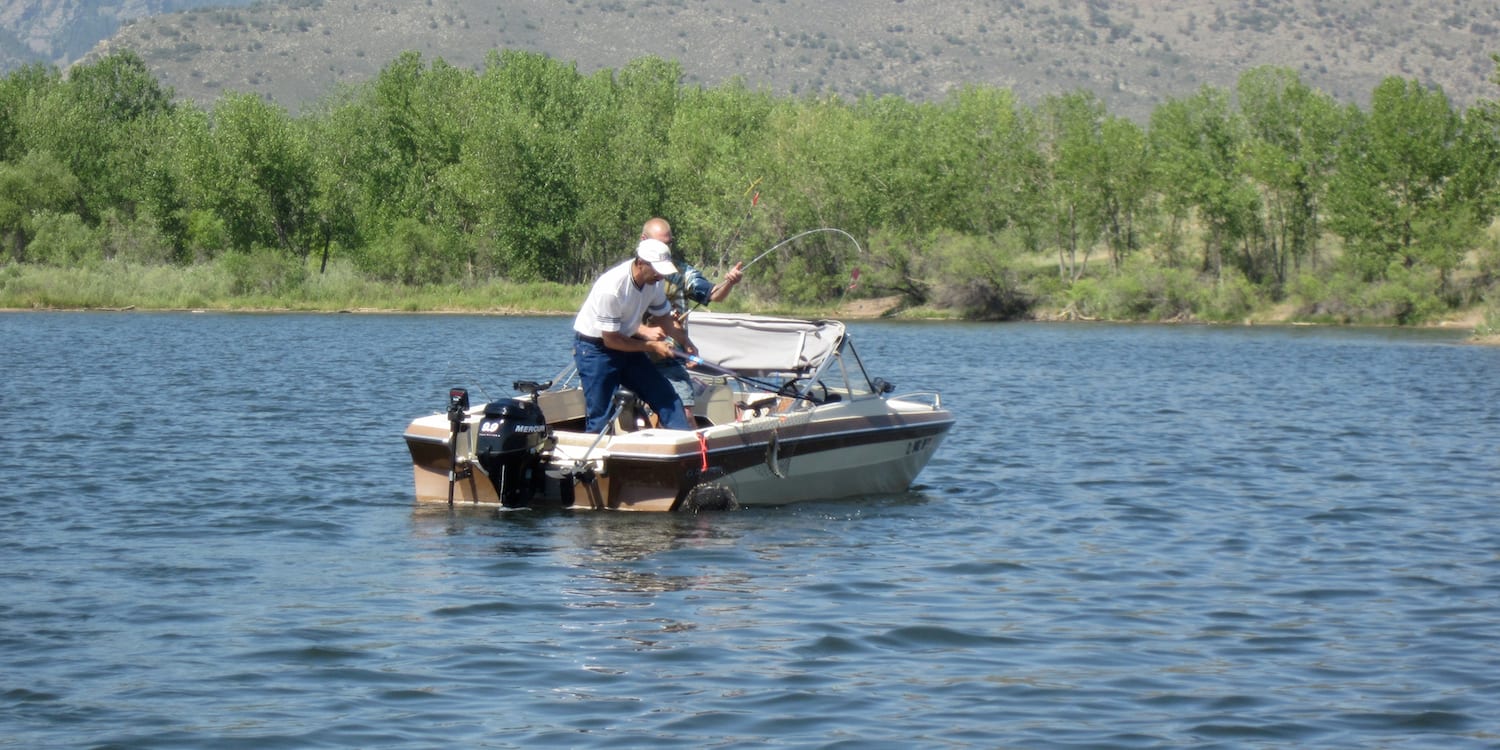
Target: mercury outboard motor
509,448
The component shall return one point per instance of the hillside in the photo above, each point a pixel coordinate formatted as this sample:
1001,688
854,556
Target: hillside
1133,54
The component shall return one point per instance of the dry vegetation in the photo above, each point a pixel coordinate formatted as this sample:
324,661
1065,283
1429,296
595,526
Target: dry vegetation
1133,54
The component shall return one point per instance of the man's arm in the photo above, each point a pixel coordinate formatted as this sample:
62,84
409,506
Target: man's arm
622,343
731,277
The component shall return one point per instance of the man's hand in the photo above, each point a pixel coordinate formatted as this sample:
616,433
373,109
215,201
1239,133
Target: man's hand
731,277
660,348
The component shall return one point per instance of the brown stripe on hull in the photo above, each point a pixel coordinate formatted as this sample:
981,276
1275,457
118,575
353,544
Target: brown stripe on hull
732,458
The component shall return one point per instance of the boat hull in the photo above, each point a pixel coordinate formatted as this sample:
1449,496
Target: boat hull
874,446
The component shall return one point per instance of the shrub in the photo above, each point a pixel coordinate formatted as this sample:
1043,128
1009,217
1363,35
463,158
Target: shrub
412,253
207,235
1333,297
1406,297
62,239
134,240
1491,324
1082,299
1231,299
978,279
1141,291
262,271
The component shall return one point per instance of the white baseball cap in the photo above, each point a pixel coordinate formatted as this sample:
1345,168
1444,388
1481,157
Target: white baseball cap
658,255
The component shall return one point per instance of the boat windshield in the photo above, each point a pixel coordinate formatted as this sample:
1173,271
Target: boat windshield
847,372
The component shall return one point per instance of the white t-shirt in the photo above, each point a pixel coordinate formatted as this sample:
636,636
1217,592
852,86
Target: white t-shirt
615,303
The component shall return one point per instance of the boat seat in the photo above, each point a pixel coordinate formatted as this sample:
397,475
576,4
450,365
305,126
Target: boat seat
562,406
716,403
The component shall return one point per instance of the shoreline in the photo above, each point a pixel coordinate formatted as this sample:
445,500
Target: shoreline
860,310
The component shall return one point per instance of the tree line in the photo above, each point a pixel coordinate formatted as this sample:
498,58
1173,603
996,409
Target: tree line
528,170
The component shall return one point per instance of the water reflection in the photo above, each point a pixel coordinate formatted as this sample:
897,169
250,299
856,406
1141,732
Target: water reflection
630,552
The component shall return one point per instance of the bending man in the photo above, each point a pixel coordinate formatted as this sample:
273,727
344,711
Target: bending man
607,350
687,285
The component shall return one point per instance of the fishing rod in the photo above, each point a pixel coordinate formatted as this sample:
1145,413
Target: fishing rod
780,390
858,250
800,235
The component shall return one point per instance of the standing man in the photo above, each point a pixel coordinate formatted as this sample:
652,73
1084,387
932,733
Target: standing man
607,349
688,284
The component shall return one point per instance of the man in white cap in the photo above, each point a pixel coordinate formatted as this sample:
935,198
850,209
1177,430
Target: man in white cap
606,349
687,285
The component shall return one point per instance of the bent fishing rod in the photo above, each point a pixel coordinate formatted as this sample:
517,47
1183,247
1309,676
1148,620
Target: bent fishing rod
780,390
800,235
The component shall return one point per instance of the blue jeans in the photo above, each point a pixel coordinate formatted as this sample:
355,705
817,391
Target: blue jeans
677,375
601,370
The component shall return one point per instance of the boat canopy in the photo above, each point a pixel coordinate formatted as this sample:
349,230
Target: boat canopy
761,346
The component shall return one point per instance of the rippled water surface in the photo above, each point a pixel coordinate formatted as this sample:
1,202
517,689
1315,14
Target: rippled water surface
1136,536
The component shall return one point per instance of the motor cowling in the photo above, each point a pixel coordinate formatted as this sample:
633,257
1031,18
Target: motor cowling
509,447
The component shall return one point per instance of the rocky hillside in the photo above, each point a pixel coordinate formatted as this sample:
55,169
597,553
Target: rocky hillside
1133,53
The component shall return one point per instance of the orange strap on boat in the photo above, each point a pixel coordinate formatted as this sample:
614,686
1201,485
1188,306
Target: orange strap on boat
703,450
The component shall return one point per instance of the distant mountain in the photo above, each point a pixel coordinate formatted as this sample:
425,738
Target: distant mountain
58,32
1133,54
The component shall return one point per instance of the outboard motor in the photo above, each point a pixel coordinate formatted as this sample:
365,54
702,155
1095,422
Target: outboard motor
509,447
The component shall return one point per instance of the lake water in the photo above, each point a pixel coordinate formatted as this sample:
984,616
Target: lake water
1136,536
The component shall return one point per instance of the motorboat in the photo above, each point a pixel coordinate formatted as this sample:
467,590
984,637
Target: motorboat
787,413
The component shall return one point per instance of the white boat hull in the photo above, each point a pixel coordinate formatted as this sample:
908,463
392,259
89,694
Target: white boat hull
832,451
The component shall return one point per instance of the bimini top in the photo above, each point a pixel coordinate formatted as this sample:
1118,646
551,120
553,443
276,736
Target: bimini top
762,346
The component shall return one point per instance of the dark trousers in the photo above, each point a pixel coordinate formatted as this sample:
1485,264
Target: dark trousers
601,370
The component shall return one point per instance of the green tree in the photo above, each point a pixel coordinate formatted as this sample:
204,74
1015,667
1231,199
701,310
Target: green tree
389,153
337,189
1098,177
817,168
36,183
1125,187
1197,145
19,91
98,122
621,165
520,160
255,171
714,169
1293,147
1400,200
968,165
1073,149
988,147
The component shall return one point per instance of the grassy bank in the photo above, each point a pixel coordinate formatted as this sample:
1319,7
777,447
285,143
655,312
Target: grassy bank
118,285
113,286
